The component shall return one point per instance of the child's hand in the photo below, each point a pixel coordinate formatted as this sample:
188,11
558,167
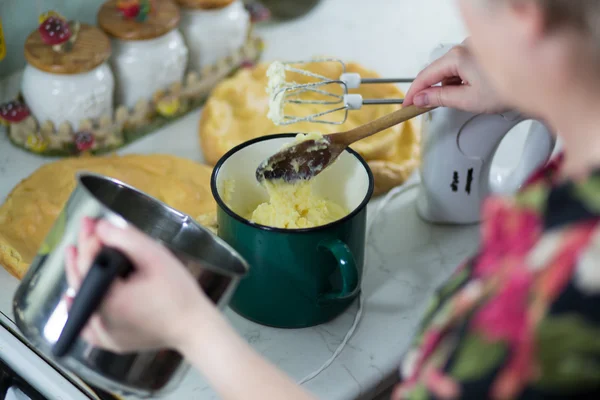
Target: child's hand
463,85
153,306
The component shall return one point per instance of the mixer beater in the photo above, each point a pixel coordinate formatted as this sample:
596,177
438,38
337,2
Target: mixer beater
282,92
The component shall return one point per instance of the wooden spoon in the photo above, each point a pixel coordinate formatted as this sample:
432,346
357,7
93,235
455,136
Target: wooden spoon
307,159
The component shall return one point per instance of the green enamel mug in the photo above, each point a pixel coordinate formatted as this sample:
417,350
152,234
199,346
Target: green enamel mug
298,277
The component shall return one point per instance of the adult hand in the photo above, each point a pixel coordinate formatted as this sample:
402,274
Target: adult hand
149,309
160,305
463,86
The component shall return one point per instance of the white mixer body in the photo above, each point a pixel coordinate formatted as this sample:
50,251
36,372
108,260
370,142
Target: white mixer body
457,153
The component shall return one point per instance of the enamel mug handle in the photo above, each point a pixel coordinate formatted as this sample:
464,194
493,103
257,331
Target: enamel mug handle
348,271
108,265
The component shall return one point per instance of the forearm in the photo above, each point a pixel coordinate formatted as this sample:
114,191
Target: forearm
232,367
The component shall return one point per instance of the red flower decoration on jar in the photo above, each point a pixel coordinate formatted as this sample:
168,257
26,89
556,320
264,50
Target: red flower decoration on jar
135,9
84,141
13,112
54,31
129,8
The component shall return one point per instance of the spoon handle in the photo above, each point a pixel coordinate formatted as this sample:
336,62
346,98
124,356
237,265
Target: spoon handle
378,125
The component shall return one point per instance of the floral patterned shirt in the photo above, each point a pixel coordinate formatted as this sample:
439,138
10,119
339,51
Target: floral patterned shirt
520,320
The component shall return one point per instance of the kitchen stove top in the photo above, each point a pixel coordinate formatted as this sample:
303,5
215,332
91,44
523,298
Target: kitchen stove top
14,387
25,374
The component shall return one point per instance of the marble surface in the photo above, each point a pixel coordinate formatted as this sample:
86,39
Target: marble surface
407,258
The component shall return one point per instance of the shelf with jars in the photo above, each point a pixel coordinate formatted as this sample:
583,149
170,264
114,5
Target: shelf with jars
93,89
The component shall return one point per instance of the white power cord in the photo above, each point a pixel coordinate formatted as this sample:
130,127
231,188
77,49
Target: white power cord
409,184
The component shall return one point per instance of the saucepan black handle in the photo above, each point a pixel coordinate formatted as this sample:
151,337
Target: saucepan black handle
108,265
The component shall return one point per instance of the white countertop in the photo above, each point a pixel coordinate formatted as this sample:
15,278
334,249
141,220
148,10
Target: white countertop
407,258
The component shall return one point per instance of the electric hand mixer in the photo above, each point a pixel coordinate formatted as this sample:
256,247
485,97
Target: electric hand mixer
456,160
458,147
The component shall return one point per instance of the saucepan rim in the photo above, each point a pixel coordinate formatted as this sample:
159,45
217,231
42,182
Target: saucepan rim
242,267
231,213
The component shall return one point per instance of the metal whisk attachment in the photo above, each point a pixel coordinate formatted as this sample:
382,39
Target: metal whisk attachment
282,92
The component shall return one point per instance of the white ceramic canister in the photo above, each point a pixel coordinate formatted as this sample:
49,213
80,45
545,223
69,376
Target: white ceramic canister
148,56
68,86
213,29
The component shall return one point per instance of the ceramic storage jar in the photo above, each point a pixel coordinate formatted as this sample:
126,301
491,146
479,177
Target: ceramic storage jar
70,81
213,29
149,53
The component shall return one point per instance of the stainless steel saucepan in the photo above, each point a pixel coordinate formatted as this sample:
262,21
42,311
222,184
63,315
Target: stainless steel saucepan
40,307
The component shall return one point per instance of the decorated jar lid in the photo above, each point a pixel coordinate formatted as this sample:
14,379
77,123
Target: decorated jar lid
66,84
204,4
62,48
138,19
